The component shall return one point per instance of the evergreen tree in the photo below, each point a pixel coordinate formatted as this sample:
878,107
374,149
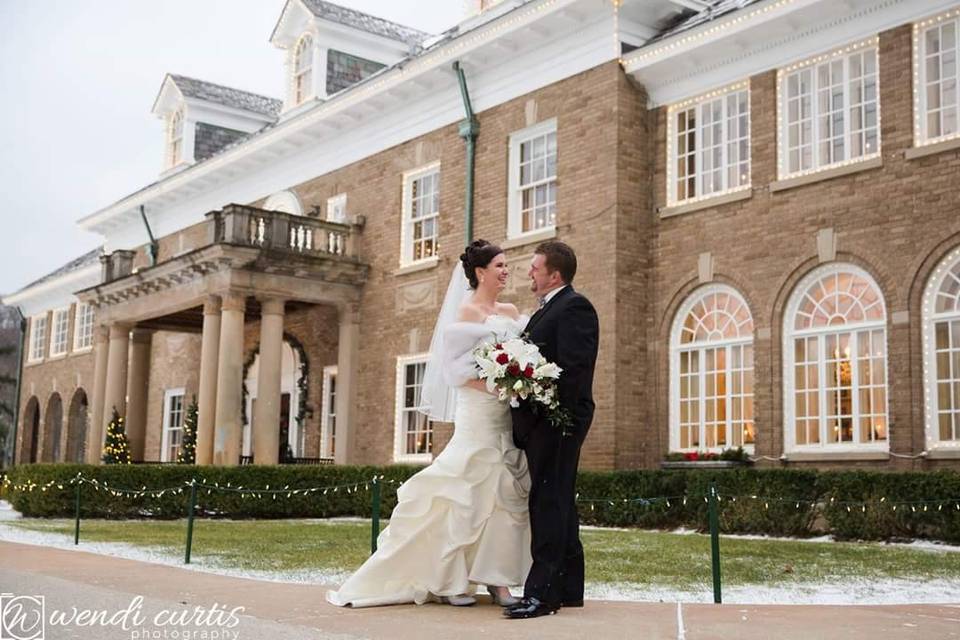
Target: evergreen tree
188,448
116,450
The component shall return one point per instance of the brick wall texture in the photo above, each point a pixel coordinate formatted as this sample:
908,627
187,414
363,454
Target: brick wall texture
896,222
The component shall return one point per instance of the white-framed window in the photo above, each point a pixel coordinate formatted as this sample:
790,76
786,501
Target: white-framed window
835,363
337,208
38,337
303,69
711,365
413,430
328,413
708,145
175,138
421,215
83,332
532,204
936,78
941,354
173,414
829,110
59,337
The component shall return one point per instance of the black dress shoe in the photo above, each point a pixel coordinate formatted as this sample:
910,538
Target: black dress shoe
529,608
572,603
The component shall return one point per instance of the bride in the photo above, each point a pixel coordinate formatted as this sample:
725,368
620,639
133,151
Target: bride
463,520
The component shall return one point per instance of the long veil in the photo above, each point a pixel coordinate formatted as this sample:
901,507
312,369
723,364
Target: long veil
437,398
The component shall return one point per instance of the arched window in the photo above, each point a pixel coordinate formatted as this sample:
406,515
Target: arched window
303,69
285,201
941,354
175,143
835,362
711,385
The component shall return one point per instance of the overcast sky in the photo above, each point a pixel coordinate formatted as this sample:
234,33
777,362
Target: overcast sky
77,80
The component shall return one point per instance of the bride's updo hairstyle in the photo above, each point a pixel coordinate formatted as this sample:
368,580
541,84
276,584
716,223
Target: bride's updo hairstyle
478,253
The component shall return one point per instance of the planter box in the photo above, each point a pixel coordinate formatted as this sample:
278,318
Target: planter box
704,464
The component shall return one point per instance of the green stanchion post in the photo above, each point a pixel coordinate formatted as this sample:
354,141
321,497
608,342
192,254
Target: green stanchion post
76,526
375,522
190,509
714,541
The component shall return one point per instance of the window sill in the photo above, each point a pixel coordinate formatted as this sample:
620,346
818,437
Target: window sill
707,203
827,174
57,356
423,265
31,363
923,151
530,238
832,456
82,351
943,453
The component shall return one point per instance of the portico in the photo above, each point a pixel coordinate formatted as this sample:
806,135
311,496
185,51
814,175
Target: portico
255,265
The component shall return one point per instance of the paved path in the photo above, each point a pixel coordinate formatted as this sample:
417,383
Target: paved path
278,611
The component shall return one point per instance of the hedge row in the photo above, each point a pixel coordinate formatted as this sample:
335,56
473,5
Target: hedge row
851,505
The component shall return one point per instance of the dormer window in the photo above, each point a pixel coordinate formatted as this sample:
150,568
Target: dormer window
303,70
175,140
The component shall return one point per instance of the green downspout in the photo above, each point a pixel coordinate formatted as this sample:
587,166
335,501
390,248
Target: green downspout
154,247
16,405
469,130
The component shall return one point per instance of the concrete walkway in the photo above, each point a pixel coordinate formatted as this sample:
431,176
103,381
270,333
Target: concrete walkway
79,579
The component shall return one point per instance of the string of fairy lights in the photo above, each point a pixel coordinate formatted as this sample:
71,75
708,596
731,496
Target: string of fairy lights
351,488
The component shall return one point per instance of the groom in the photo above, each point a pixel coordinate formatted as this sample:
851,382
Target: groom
567,331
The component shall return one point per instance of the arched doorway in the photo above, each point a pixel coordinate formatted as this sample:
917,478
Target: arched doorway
291,436
77,427
31,431
52,429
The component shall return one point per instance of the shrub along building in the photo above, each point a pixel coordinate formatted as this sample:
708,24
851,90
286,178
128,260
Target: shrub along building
774,265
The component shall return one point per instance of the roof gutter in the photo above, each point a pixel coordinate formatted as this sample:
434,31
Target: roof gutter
469,131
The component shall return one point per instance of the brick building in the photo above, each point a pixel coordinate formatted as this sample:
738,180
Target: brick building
775,266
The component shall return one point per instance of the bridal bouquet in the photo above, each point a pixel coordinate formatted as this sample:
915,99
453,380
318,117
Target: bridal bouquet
515,370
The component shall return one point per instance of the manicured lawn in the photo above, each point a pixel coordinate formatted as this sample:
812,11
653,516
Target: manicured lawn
613,556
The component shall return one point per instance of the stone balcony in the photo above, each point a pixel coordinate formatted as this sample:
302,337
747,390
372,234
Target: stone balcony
248,251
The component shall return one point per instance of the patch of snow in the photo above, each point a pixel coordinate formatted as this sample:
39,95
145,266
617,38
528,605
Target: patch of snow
7,512
874,591
153,555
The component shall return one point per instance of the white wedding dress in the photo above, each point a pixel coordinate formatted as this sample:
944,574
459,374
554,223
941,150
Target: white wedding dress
463,520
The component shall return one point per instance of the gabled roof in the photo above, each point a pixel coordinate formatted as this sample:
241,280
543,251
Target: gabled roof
87,259
227,96
365,22
689,21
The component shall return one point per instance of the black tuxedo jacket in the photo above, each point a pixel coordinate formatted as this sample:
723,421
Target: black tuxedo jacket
567,331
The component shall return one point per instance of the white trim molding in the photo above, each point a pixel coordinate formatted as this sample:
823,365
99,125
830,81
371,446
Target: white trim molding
725,311
60,332
84,320
709,110
948,102
949,353
328,414
546,182
401,410
429,223
38,338
169,395
800,89
854,293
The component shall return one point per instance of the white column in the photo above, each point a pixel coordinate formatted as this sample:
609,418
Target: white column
207,397
228,426
96,434
115,393
348,356
266,419
138,380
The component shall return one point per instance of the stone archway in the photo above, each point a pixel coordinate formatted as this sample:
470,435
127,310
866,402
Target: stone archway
31,431
77,427
52,429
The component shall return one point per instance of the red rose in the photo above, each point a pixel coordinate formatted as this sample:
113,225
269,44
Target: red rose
498,346
528,372
692,456
503,358
513,369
